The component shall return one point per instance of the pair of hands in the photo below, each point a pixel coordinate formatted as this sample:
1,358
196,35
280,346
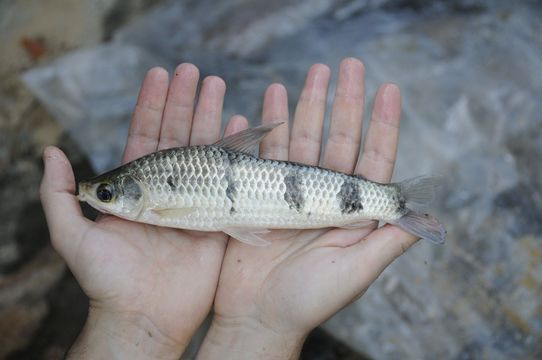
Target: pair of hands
151,287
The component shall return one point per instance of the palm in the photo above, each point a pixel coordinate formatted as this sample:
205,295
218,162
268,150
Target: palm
165,274
311,272
302,278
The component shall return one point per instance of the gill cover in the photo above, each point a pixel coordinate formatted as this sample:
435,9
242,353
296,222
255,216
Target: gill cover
132,195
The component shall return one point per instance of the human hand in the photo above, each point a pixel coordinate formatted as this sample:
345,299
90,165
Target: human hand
149,287
269,298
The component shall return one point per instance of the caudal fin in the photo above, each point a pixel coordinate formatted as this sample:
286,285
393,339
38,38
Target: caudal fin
418,193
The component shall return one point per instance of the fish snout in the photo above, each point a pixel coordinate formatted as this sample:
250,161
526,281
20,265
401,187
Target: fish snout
82,189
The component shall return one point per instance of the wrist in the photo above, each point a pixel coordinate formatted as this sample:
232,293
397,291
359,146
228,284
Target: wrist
110,334
246,338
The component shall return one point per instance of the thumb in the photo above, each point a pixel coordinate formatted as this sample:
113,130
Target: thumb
62,211
369,257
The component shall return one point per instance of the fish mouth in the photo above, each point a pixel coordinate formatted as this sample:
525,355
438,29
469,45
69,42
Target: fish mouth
82,190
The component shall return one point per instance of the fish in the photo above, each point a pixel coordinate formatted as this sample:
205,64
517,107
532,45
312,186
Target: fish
224,187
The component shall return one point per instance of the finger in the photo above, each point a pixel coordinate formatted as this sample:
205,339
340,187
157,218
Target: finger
379,152
309,117
380,148
62,211
383,245
145,127
208,116
179,108
369,257
342,147
237,123
275,110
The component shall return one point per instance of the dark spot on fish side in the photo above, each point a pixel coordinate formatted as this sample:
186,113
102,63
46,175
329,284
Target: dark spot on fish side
171,183
294,191
149,333
349,197
238,261
231,189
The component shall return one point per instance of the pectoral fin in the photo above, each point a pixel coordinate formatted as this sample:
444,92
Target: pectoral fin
248,236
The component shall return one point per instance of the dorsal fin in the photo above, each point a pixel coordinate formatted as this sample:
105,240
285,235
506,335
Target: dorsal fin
246,141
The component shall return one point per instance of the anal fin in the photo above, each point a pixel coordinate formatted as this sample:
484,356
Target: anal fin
248,236
424,226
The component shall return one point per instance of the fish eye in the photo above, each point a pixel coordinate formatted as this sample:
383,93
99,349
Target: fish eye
104,192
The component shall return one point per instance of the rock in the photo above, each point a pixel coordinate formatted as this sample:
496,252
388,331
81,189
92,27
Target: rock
18,325
22,303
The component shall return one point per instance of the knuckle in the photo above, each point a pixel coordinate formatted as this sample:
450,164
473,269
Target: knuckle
342,137
379,157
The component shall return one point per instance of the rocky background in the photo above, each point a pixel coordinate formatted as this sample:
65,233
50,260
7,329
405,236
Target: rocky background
471,75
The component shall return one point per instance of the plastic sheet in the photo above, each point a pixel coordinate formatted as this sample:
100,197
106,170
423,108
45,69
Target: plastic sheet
92,94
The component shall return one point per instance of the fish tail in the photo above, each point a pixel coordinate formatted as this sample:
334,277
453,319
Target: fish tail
416,194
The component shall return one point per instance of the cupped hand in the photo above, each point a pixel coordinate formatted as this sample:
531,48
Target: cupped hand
149,287
269,298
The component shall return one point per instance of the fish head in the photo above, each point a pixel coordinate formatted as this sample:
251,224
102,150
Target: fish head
117,194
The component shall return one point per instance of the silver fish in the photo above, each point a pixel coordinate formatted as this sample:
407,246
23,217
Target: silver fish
221,187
